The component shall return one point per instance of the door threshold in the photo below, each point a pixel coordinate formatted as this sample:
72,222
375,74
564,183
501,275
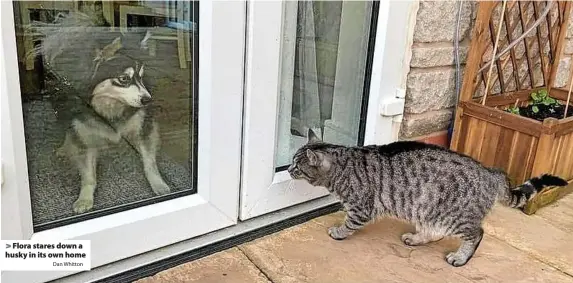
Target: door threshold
152,262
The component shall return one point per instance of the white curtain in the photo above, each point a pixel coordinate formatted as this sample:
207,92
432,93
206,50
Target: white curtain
306,102
317,29
322,74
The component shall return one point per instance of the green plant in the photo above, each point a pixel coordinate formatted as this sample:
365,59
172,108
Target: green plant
513,109
542,97
535,109
538,98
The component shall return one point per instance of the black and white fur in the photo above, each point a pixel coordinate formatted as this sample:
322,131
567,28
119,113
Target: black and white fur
117,107
107,101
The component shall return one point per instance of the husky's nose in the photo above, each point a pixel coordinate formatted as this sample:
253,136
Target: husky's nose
145,100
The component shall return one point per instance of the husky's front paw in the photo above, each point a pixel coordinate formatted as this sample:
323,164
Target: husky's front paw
160,188
83,205
337,233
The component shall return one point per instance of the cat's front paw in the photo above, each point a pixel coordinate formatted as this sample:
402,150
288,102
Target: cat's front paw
337,233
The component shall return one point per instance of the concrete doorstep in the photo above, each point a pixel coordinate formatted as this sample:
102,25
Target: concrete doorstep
516,248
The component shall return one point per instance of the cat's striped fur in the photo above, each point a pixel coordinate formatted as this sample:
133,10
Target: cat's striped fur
441,192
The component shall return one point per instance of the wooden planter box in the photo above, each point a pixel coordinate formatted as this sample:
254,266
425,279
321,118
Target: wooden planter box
523,147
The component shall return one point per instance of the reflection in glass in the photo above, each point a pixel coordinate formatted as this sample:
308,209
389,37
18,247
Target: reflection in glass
108,100
324,53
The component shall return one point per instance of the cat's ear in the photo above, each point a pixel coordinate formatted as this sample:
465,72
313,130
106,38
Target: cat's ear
312,137
314,158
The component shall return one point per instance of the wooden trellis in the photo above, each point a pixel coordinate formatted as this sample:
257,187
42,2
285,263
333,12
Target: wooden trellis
521,146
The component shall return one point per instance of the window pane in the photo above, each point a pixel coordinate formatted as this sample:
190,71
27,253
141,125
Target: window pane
108,97
325,45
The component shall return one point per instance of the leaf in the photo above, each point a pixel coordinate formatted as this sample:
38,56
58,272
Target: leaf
542,94
535,109
551,100
513,109
534,96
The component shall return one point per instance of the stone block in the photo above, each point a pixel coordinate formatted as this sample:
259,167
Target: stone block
568,46
415,125
305,254
229,266
436,21
563,72
547,241
430,89
437,54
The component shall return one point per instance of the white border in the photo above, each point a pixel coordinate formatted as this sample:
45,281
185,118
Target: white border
14,160
125,234
390,66
164,253
263,190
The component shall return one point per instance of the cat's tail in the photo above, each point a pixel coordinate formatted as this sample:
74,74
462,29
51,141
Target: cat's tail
518,196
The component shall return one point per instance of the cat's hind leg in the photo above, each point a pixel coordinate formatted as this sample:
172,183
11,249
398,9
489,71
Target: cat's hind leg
471,238
355,220
422,236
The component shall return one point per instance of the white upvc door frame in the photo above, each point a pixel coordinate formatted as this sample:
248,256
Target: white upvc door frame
128,233
262,189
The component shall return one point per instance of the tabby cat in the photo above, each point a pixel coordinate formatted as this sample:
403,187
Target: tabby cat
441,192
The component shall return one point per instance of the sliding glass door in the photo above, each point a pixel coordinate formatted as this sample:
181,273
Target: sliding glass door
306,69
140,124
121,123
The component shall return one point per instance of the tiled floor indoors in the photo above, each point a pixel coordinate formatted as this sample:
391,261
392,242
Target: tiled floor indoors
516,248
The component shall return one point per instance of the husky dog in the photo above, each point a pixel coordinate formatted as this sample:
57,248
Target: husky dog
117,108
112,105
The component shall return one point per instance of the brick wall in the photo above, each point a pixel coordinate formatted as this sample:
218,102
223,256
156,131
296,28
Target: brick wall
430,87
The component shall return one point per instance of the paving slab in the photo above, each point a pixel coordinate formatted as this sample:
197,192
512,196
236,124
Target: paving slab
559,214
544,236
305,253
229,266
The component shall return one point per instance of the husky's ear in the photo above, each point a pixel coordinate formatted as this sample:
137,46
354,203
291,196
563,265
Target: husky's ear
141,70
109,50
105,54
143,44
312,137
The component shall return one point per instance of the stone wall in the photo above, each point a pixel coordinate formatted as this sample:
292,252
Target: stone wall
430,86
565,62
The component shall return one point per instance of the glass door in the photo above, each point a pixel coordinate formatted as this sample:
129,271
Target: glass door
121,123
307,68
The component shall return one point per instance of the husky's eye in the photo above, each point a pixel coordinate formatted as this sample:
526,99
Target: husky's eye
123,79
